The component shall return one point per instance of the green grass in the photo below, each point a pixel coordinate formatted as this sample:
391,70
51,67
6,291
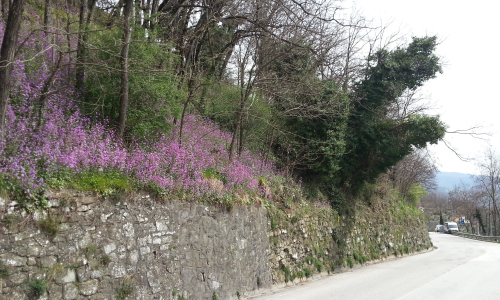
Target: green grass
103,182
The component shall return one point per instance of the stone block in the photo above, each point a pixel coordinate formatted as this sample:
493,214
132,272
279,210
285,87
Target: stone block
18,278
31,261
17,294
82,274
13,260
69,276
102,297
128,230
118,271
70,291
161,226
145,250
48,261
96,274
89,287
154,281
109,248
133,257
55,292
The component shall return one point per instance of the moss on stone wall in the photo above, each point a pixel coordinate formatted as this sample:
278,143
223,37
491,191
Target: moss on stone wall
308,238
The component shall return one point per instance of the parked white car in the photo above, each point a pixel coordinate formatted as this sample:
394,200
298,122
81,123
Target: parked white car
450,227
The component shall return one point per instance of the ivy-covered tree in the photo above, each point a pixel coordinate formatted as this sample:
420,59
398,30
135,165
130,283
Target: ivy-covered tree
376,142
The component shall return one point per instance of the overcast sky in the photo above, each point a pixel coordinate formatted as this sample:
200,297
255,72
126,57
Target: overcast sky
467,93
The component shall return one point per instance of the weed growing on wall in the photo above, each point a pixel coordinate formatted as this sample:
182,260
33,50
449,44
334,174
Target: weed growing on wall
4,270
319,266
307,272
37,287
93,252
125,290
10,220
350,263
358,257
50,226
288,274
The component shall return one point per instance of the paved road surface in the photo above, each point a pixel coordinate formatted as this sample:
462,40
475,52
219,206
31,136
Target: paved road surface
459,269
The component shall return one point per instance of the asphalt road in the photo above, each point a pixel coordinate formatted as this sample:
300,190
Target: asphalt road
459,269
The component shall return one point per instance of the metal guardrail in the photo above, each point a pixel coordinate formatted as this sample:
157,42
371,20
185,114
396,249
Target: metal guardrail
479,237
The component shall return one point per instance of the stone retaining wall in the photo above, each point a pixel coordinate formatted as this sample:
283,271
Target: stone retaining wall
139,248
87,248
318,240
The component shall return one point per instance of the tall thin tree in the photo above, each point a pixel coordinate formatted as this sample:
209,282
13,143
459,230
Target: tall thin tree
127,34
81,47
7,53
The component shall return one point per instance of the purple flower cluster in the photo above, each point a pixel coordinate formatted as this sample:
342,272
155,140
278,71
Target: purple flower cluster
45,135
181,165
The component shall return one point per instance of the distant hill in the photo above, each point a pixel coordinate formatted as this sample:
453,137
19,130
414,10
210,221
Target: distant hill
446,181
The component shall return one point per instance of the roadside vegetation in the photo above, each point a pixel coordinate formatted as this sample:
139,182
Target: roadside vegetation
221,101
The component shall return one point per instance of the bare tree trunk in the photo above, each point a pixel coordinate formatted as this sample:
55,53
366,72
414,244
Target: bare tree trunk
45,90
191,91
268,150
233,141
495,212
80,50
127,34
9,44
239,114
138,12
154,10
90,12
47,21
183,116
240,143
238,130
147,14
70,57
